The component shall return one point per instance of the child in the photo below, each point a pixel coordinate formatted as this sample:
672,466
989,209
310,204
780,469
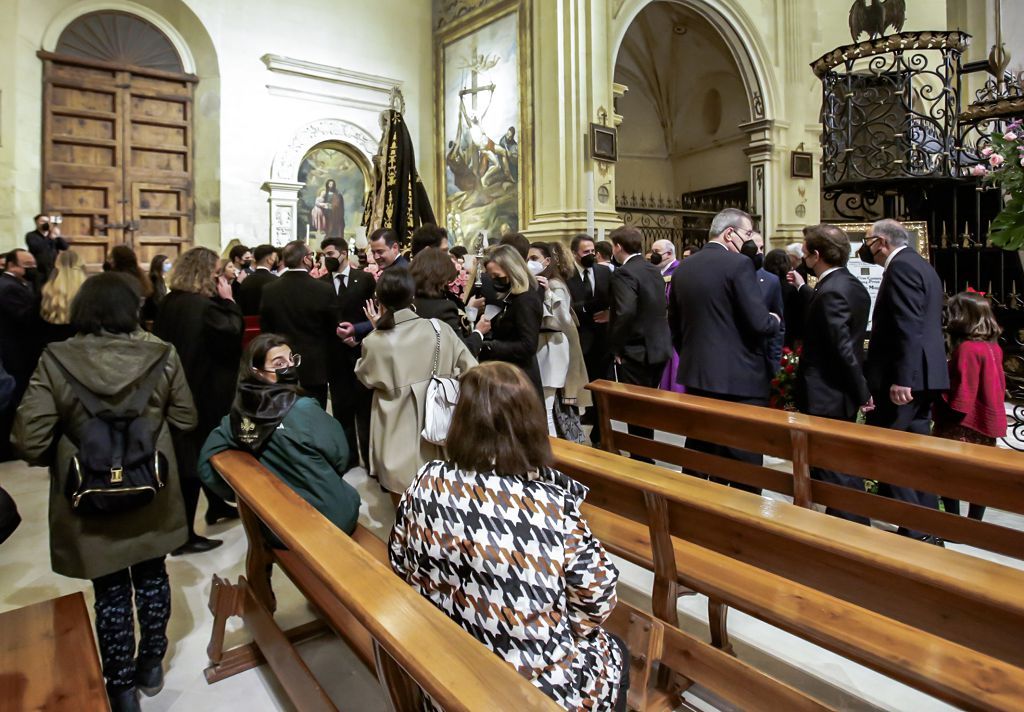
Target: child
972,411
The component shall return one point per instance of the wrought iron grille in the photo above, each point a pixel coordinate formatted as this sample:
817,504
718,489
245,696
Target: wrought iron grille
890,109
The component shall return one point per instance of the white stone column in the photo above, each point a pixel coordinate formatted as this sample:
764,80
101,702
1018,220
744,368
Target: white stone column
284,202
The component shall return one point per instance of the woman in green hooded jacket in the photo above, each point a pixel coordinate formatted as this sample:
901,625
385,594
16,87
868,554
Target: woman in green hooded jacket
288,432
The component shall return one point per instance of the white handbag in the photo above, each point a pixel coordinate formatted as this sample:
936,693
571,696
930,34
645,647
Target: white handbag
442,395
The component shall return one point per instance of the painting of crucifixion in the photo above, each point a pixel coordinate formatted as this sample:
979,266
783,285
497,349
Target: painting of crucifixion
482,117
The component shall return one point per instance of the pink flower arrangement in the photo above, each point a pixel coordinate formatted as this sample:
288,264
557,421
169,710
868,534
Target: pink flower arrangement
1006,157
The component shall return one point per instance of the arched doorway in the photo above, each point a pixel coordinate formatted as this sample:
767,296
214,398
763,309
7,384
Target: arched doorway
117,148
694,135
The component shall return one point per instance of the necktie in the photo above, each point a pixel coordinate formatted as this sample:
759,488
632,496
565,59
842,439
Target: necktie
588,286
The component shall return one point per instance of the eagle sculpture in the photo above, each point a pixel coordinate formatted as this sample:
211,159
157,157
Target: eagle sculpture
874,16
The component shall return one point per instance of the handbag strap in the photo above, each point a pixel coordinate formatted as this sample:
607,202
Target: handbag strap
437,345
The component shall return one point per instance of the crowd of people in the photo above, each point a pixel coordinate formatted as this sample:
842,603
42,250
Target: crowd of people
341,374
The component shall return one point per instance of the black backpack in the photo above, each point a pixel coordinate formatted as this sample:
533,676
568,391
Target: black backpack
117,467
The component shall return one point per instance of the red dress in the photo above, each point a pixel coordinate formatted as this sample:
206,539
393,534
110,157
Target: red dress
973,409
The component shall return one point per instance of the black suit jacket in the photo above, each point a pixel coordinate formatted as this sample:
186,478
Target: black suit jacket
514,334
771,293
20,327
250,292
907,347
639,327
45,249
303,310
719,324
592,336
830,380
352,297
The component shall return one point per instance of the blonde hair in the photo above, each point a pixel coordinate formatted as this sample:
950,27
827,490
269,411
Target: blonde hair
193,272
62,287
514,267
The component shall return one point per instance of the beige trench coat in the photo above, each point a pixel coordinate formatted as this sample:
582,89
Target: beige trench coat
397,365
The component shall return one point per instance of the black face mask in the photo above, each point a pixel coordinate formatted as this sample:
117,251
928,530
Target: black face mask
587,261
289,375
44,228
333,264
864,253
247,264
655,259
502,284
749,249
31,274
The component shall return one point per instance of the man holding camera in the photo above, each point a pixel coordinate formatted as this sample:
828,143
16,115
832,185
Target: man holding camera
45,243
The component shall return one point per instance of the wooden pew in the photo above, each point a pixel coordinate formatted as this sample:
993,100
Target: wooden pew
942,622
410,644
972,473
48,658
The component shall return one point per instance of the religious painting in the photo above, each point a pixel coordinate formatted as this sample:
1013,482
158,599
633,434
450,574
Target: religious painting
870,275
333,192
482,86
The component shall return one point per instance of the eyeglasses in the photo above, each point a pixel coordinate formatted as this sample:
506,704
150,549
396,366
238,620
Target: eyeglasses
279,363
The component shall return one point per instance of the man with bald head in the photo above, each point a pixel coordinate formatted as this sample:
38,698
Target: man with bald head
663,256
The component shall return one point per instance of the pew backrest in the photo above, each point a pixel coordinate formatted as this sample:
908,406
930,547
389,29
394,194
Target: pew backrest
973,473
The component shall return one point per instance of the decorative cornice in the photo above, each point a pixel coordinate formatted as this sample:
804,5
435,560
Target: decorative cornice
327,73
326,98
931,39
286,163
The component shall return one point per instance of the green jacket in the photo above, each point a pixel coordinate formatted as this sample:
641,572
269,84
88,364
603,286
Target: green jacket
308,451
110,366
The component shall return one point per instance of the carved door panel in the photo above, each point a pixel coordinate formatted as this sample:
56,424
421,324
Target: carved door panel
158,166
117,157
82,157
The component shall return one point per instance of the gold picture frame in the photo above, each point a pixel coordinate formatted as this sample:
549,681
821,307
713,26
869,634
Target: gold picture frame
462,28
917,228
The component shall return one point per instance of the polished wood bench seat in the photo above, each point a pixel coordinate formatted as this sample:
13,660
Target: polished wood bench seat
49,660
945,623
413,647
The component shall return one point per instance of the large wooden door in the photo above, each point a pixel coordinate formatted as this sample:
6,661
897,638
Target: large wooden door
117,157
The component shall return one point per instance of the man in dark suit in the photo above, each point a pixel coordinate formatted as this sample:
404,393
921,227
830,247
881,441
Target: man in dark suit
590,290
638,336
250,292
303,310
45,243
906,365
350,400
720,326
387,254
830,379
20,333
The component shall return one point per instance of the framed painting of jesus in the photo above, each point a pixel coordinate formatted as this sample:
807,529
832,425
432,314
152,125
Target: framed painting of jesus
483,123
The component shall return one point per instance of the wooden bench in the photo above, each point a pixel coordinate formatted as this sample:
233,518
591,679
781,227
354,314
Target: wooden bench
48,658
942,622
410,644
972,473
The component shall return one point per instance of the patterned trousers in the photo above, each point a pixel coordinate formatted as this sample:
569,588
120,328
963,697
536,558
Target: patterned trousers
115,620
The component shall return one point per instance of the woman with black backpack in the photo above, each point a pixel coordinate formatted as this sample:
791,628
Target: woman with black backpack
99,411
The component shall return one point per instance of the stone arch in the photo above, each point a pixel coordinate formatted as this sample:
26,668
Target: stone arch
283,185
740,35
745,44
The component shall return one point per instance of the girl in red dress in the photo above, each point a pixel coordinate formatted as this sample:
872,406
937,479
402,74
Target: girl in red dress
973,409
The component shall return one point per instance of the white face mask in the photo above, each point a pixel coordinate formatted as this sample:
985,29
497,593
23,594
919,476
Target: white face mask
535,267
167,267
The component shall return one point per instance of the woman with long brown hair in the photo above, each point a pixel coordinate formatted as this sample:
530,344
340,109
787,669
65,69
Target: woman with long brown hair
530,547
199,316
59,292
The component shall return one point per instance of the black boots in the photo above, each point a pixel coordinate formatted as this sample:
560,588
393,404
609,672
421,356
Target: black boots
149,676
124,700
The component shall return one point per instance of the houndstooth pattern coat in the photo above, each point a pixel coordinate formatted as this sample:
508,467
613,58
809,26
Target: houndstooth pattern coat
511,560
